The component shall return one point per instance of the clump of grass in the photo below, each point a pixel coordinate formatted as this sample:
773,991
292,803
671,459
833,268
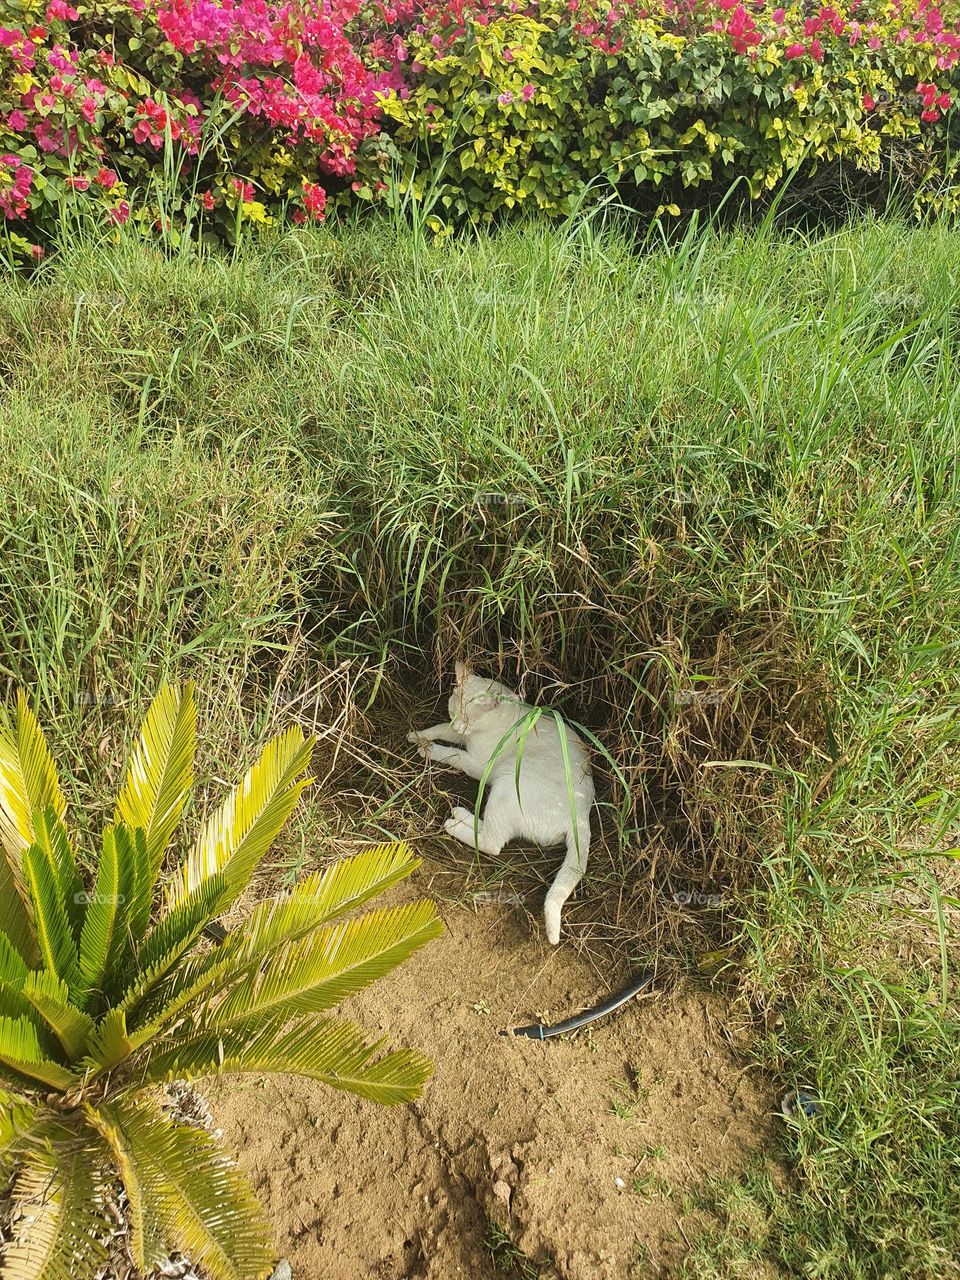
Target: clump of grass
508,1258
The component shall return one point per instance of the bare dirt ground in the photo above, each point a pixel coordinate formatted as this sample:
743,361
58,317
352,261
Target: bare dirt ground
576,1152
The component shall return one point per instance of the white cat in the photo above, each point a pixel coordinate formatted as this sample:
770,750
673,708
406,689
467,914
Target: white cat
481,713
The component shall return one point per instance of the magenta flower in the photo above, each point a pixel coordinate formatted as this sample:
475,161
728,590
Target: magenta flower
505,98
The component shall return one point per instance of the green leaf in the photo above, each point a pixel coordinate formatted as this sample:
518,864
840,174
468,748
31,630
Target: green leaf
55,940
100,935
12,965
53,839
50,997
141,881
28,785
243,829
28,779
322,1048
341,887
331,964
58,1200
146,1227
160,772
180,1182
21,1051
173,934
16,921
109,1044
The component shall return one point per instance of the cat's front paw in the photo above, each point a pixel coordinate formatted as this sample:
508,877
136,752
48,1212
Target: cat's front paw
413,736
460,814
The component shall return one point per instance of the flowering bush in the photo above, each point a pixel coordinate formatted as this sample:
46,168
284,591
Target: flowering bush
525,106
208,112
204,114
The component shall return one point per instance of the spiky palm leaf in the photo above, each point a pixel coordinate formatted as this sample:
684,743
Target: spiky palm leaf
103,996
160,773
59,1195
183,1189
28,786
322,1048
239,834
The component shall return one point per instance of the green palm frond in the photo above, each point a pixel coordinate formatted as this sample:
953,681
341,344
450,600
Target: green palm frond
341,887
55,940
17,1118
141,880
171,937
28,779
323,1048
61,1225
53,839
15,1005
239,834
181,1181
109,1044
103,937
21,1052
160,772
15,919
50,998
146,1227
13,967
28,785
332,963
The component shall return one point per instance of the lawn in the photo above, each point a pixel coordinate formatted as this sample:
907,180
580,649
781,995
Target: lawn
700,493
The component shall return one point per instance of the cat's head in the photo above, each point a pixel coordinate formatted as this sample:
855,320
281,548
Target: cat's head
476,700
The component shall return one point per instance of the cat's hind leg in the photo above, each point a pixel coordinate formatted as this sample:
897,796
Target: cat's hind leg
478,835
495,828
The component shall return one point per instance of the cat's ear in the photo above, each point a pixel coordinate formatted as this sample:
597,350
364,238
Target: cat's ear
461,671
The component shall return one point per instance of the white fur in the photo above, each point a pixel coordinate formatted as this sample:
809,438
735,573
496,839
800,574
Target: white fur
481,713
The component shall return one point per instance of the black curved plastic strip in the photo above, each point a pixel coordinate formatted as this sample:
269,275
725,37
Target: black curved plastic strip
540,1032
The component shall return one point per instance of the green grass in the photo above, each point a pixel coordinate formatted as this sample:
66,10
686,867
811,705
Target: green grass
703,498
508,1258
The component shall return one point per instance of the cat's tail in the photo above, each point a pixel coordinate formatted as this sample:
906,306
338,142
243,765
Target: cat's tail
567,879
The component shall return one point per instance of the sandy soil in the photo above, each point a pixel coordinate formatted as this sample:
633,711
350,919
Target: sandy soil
578,1150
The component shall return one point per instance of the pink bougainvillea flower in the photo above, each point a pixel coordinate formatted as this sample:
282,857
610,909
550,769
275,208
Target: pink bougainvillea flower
58,9
815,50
120,213
869,102
208,200
527,92
79,183
794,51
106,178
505,98
314,200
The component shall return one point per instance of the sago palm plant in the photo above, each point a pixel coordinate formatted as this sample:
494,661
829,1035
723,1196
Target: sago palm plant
108,990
